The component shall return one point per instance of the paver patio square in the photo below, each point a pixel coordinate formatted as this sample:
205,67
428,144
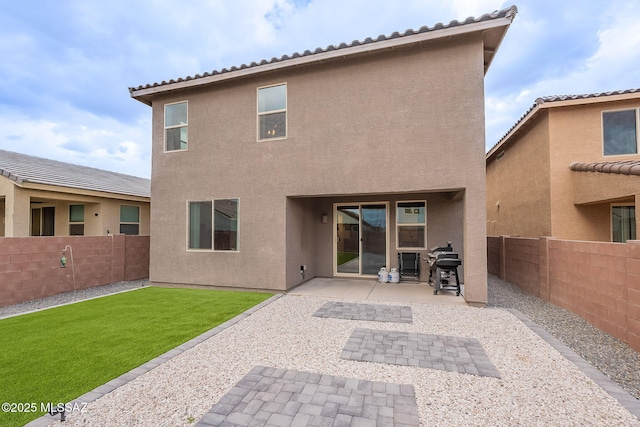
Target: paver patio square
370,312
456,354
352,400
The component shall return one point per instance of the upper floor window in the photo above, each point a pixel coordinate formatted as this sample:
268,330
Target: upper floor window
411,224
76,220
620,132
175,126
272,112
130,220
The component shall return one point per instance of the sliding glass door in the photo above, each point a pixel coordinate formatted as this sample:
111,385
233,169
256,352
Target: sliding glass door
360,238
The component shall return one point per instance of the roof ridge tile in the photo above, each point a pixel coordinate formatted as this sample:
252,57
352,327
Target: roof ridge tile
508,12
620,167
557,98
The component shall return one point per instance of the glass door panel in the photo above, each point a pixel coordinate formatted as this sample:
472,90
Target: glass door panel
374,238
48,221
348,239
361,239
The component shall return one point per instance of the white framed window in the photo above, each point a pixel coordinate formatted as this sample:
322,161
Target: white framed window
620,132
272,112
130,220
76,220
623,223
411,224
213,225
176,126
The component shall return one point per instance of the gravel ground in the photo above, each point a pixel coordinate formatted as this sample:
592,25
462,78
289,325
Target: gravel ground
537,386
611,356
70,297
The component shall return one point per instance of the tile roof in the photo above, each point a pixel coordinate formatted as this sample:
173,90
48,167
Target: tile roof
627,167
22,168
557,98
508,13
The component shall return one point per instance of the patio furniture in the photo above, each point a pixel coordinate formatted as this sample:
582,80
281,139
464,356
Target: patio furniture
409,266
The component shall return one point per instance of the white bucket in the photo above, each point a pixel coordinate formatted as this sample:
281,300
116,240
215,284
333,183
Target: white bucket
394,276
383,275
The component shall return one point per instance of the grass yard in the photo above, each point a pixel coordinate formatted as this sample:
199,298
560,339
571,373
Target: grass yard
56,355
346,257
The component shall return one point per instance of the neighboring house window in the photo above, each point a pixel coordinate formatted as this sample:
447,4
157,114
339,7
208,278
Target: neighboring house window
623,223
411,225
43,221
176,126
76,220
130,220
620,132
213,225
272,112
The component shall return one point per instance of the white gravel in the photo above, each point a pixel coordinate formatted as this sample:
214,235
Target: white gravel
538,387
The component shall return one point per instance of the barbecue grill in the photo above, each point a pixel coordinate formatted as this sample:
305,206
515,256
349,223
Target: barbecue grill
443,264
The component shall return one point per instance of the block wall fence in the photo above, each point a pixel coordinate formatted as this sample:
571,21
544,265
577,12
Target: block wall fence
30,266
598,281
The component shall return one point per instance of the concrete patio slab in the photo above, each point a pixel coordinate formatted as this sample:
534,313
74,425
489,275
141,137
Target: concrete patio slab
372,290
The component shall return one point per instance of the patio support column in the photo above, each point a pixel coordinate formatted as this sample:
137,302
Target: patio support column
475,248
17,213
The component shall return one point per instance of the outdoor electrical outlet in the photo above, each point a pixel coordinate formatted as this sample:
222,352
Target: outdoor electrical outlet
303,269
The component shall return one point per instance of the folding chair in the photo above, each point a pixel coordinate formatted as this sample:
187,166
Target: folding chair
409,266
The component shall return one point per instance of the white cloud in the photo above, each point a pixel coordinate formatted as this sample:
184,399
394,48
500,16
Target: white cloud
84,139
613,63
474,8
67,65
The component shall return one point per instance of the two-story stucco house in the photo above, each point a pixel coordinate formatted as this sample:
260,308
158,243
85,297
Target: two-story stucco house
324,163
570,169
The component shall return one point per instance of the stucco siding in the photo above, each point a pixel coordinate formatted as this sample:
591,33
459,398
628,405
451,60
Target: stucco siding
407,121
518,185
576,136
100,214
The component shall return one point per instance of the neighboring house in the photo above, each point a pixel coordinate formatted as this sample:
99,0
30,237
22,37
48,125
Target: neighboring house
324,163
41,197
570,169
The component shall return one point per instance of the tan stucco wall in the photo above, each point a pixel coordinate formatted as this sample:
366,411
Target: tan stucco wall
2,207
407,121
20,201
518,185
539,195
6,196
576,136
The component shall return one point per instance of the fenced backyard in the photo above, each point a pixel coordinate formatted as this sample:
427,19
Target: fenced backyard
30,267
599,281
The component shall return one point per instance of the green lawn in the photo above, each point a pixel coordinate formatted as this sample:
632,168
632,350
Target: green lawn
59,354
345,257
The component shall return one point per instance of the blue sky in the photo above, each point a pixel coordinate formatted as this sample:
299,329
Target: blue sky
67,65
